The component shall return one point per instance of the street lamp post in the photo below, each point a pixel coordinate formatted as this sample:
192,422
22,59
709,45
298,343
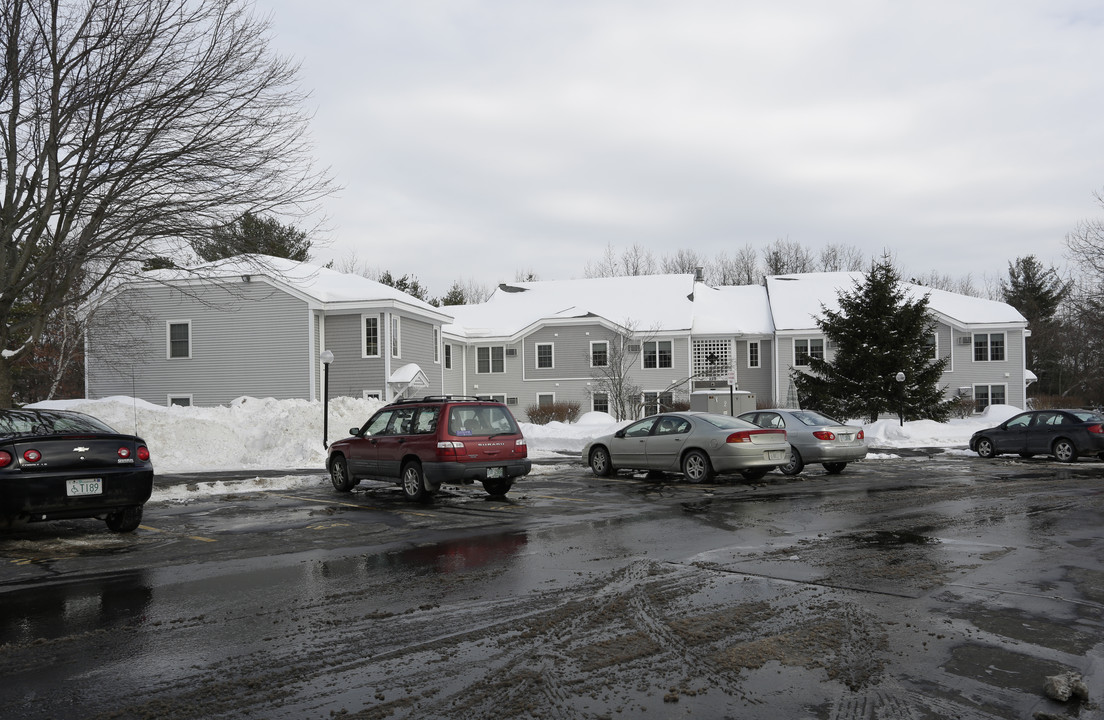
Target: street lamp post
901,392
326,357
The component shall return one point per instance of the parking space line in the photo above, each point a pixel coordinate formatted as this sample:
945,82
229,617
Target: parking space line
198,538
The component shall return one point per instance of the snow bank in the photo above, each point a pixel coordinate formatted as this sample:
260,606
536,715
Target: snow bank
265,434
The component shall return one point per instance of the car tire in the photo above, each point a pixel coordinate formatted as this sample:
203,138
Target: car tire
601,464
835,468
413,483
498,487
794,465
126,520
1064,451
339,474
696,467
985,448
753,474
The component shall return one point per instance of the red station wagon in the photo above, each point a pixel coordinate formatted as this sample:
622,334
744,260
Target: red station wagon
422,444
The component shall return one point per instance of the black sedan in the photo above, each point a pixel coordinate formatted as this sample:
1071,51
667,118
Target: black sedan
57,464
1065,434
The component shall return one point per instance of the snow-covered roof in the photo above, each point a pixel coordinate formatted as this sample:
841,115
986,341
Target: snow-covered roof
318,283
796,300
651,302
738,310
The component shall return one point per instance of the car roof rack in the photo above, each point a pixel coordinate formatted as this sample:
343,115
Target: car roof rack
441,398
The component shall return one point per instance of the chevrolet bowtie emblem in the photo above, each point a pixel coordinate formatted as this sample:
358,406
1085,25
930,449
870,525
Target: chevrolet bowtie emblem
80,449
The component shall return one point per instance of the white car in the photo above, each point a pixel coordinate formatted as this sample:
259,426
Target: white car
815,438
699,445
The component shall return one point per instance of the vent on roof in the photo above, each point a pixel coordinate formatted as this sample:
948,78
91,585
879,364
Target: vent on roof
511,352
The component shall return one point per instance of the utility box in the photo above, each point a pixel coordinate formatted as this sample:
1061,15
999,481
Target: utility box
722,401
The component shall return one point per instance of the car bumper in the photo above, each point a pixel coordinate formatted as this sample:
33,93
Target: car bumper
34,497
832,453
747,459
437,473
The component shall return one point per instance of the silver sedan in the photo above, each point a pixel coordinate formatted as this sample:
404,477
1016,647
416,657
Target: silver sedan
699,445
815,438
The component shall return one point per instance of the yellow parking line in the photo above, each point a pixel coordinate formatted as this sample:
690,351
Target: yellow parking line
190,537
352,505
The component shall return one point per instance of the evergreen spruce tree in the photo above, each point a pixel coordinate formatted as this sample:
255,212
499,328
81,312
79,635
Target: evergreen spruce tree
877,333
253,235
1038,293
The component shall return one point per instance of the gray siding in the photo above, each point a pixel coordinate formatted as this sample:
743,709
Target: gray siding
246,339
758,381
352,374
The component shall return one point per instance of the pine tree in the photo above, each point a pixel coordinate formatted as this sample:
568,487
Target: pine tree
253,235
878,332
1038,293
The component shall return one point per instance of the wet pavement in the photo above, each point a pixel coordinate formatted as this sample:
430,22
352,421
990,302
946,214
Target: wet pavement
920,587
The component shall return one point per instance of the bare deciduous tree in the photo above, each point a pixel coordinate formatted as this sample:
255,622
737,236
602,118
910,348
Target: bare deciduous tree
128,128
682,262
785,256
841,258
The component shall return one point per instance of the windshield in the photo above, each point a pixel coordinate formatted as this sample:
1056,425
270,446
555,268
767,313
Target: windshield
48,422
813,418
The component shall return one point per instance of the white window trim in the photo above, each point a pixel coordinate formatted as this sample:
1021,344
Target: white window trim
975,386
372,394
490,360
364,335
396,336
543,394
168,340
494,397
599,342
809,339
176,396
989,347
657,341
436,345
536,355
595,394
448,356
758,354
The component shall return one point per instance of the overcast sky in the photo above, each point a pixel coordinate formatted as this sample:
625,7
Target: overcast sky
475,139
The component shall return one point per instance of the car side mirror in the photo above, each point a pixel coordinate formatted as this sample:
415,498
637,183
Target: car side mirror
354,431
619,434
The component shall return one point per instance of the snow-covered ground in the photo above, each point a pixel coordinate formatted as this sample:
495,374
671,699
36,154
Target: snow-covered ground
266,434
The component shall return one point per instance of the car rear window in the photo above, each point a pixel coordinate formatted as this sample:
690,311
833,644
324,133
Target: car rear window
814,418
45,422
1086,416
726,422
464,420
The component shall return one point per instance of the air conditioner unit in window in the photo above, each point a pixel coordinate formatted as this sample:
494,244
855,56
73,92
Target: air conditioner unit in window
964,340
511,401
634,348
511,352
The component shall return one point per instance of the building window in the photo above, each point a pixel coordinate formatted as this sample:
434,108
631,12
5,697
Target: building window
180,340
371,336
599,402
544,355
753,354
448,357
988,347
495,397
657,402
931,347
546,399
599,353
657,354
806,348
436,344
986,395
180,400
396,345
490,360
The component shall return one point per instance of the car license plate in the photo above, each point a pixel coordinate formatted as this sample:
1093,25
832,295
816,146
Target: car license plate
84,486
776,455
845,438
496,472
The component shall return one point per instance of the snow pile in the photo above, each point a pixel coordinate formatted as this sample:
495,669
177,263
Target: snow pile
267,434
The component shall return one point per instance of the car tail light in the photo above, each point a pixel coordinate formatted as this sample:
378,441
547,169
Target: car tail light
860,436
5,458
824,435
124,452
1096,429
744,436
32,456
449,449
521,447
143,453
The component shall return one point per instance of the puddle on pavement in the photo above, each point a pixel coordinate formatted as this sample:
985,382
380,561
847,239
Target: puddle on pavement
892,538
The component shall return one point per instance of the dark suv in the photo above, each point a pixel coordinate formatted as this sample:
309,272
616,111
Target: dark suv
424,443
